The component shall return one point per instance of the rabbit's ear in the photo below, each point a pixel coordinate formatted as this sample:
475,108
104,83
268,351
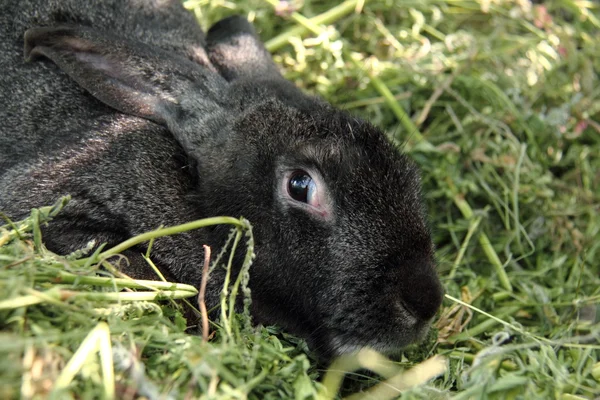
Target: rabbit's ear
237,52
130,76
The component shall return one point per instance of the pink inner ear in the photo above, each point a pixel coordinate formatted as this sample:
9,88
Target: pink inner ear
77,44
97,62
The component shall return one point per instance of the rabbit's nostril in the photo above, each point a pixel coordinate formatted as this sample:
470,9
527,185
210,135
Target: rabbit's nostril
422,295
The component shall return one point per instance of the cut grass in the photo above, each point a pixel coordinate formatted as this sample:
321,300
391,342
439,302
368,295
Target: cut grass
499,104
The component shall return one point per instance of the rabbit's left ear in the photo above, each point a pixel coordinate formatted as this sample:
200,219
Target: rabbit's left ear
129,76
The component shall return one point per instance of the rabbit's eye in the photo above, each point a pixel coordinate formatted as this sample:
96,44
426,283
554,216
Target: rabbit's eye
303,188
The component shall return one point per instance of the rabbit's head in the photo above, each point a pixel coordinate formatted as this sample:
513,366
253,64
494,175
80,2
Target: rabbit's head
343,252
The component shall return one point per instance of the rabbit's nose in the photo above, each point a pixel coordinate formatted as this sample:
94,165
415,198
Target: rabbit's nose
421,292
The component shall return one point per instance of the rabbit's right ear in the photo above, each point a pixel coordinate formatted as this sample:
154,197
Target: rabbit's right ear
132,77
237,52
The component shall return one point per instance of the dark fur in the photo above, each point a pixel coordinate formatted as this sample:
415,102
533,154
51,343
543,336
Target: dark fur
206,127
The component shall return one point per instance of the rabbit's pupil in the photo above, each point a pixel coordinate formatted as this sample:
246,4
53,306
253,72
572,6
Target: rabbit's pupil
302,187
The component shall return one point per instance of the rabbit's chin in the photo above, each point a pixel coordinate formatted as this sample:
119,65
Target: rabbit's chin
390,345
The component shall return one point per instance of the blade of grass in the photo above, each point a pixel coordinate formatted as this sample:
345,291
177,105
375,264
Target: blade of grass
309,24
98,340
484,241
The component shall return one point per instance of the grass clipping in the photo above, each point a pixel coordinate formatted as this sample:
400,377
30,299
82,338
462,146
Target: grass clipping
73,326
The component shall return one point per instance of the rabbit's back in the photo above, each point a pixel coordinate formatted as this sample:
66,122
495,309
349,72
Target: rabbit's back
161,23
57,139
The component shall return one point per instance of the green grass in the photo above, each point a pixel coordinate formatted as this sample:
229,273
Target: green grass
499,104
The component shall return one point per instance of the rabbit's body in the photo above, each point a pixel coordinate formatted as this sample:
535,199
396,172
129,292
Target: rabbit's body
56,139
127,107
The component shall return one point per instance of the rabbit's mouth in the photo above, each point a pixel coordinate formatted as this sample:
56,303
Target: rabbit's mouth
383,342
387,337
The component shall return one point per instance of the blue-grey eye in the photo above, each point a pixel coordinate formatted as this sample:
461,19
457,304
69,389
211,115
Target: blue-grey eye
303,188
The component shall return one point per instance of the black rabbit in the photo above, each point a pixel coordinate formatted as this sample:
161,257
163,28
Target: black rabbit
127,107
